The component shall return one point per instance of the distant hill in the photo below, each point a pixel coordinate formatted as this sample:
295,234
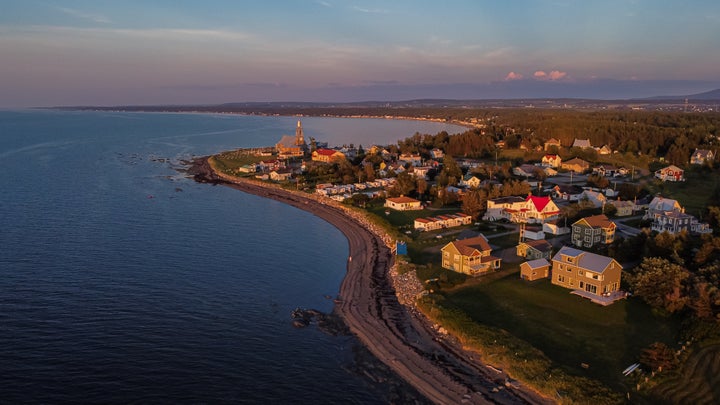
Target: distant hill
708,95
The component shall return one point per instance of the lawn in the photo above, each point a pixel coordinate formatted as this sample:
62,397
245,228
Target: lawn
692,193
570,330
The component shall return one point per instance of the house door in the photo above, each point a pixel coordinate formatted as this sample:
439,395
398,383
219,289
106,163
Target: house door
582,285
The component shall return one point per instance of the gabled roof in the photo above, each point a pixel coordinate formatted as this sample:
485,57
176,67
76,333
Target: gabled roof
576,161
466,247
287,141
539,202
508,200
597,221
550,157
702,153
403,200
671,167
663,204
586,260
581,143
326,152
537,263
540,245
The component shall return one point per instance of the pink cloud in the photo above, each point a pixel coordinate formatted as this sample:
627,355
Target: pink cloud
513,76
557,75
553,75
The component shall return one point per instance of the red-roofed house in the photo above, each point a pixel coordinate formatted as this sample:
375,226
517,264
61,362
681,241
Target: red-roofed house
327,155
403,203
469,256
551,161
516,209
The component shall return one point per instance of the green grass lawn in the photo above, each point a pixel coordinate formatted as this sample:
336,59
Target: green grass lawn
692,193
570,330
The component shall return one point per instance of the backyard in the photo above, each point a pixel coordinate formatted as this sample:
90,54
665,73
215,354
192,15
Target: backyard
582,338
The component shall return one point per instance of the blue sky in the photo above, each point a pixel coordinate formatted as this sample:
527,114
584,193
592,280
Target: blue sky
182,52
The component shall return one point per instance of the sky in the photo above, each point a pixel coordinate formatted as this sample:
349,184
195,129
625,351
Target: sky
97,52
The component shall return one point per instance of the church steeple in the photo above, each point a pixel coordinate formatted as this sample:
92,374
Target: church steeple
299,137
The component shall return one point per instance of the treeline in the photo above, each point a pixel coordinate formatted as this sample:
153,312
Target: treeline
673,136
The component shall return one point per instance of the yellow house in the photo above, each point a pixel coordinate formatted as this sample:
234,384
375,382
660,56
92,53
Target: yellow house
327,155
534,269
594,274
469,256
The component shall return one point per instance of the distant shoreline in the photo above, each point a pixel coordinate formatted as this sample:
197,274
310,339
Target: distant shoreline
396,334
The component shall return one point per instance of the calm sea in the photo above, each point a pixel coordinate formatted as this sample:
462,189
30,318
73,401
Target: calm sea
123,281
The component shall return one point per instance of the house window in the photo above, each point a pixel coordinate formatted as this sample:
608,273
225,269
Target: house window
561,278
595,277
581,272
591,288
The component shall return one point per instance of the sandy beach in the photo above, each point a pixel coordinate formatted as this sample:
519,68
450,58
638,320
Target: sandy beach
396,333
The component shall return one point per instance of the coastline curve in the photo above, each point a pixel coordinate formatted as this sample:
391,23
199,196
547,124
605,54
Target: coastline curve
398,335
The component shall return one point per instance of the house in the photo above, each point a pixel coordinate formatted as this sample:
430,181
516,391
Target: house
526,170
437,153
412,158
555,228
421,172
552,142
281,175
670,173
516,209
534,269
403,203
701,156
661,204
567,192
594,274
533,232
582,143
472,181
591,231
534,249
470,256
327,155
677,221
624,208
442,221
604,150
605,170
576,165
551,161
596,198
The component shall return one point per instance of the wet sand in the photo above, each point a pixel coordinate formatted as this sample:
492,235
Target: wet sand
397,334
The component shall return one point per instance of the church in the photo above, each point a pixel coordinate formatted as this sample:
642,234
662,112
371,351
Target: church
290,146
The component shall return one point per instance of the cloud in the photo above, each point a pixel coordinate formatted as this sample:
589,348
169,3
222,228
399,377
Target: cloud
513,76
323,3
97,18
369,10
553,75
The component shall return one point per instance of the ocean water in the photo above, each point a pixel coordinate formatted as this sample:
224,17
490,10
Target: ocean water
123,281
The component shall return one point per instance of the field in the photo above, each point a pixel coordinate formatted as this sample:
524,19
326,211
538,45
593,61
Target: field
582,338
693,193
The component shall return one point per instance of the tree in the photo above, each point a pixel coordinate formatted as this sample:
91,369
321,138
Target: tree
658,356
451,170
660,283
474,202
421,186
405,183
597,180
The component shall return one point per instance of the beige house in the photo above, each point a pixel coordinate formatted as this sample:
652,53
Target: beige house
470,256
534,269
442,221
534,249
624,208
576,165
594,230
552,142
403,203
589,272
551,161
